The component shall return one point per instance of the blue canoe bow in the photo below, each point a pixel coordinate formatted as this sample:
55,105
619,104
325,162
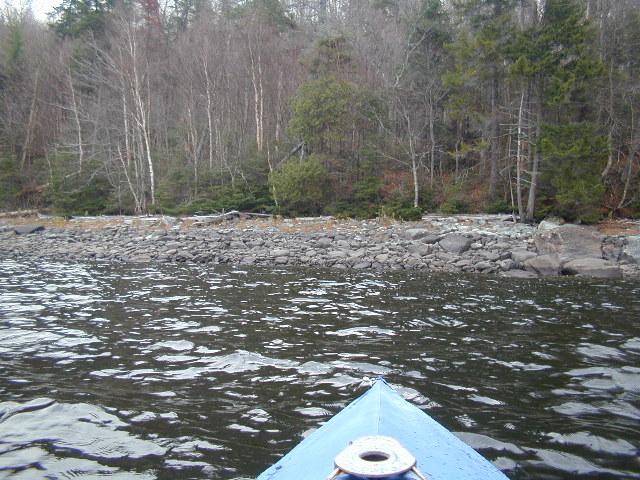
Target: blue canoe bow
382,411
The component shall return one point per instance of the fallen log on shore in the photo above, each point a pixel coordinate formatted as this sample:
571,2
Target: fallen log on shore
19,213
227,216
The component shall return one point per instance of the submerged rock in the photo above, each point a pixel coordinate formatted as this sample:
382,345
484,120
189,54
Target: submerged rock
545,265
592,267
521,256
519,274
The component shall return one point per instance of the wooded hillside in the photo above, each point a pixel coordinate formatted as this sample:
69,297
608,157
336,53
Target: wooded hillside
347,107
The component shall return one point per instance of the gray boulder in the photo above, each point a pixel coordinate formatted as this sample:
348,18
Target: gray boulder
544,265
415,233
612,248
550,223
592,267
362,265
382,258
631,250
491,256
27,229
420,249
324,242
570,242
429,239
519,274
484,265
447,257
507,265
455,243
521,256
465,262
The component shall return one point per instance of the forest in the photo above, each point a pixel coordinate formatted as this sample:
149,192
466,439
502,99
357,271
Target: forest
354,108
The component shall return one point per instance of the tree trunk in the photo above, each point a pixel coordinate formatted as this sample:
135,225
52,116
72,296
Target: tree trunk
147,148
209,116
457,156
632,154
136,202
125,116
193,147
432,139
493,174
273,187
76,117
30,121
416,190
278,111
141,109
607,168
531,202
519,160
256,80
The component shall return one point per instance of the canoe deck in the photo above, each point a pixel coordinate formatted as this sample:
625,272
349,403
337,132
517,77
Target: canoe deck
382,411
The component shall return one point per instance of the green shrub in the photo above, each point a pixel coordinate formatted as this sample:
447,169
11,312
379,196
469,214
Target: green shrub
92,198
499,206
454,206
350,209
401,212
10,182
428,201
300,186
368,190
226,198
575,155
408,213
175,188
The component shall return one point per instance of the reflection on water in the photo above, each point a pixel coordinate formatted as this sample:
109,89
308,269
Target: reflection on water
167,372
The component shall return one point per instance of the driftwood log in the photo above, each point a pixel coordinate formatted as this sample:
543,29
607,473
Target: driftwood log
19,213
228,216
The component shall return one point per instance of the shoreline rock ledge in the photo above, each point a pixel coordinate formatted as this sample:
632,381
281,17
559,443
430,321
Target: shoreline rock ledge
491,244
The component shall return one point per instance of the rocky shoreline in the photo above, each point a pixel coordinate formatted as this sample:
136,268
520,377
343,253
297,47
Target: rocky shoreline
463,243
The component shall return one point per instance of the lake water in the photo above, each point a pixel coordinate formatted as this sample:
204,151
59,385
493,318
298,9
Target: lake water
143,371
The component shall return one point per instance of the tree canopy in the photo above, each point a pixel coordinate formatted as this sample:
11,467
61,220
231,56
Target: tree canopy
323,106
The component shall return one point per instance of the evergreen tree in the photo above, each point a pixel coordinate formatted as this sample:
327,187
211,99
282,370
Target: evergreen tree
480,69
323,113
558,59
75,17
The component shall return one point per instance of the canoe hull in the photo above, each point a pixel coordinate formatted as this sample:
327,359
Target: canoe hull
382,411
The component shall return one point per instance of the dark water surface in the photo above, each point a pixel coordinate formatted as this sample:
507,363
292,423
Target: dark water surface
141,371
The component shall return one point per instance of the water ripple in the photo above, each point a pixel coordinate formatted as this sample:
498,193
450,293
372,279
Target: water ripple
143,371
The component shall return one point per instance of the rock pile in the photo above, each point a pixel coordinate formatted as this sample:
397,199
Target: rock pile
481,244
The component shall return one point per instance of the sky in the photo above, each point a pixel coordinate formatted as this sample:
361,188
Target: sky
42,7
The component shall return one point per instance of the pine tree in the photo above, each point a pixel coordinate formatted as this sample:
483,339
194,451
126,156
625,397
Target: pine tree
74,17
557,58
479,71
